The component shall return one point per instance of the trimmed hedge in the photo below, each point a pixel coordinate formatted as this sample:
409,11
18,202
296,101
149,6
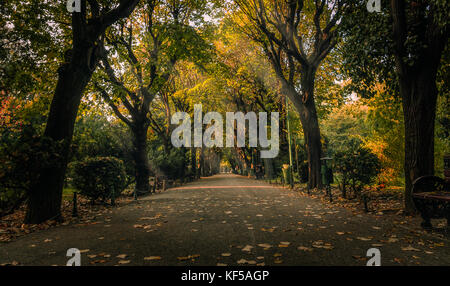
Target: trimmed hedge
23,153
96,178
358,167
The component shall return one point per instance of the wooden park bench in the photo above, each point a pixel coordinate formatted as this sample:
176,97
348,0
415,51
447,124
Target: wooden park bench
431,196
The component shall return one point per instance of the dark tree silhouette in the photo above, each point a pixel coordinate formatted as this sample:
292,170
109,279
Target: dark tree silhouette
420,37
44,200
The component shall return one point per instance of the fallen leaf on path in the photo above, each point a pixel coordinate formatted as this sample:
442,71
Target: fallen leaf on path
152,258
321,244
98,261
392,239
184,258
398,260
303,248
14,263
410,248
359,257
284,244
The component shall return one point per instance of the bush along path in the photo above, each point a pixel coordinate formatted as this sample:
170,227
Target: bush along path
231,220
89,201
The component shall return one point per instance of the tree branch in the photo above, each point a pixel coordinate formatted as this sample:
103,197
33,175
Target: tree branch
124,10
114,107
400,31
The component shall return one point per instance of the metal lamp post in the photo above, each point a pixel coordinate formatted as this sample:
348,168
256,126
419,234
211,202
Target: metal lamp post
291,174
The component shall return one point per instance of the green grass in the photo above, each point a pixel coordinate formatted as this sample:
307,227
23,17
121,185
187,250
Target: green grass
68,194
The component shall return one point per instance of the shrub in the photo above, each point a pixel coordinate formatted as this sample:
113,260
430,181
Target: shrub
171,163
358,167
10,200
22,154
97,177
95,136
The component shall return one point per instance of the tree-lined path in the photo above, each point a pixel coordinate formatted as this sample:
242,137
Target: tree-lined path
229,220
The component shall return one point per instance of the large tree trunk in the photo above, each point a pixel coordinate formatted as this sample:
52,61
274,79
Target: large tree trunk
141,158
306,108
201,165
194,162
46,193
417,88
44,200
419,95
268,168
311,129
